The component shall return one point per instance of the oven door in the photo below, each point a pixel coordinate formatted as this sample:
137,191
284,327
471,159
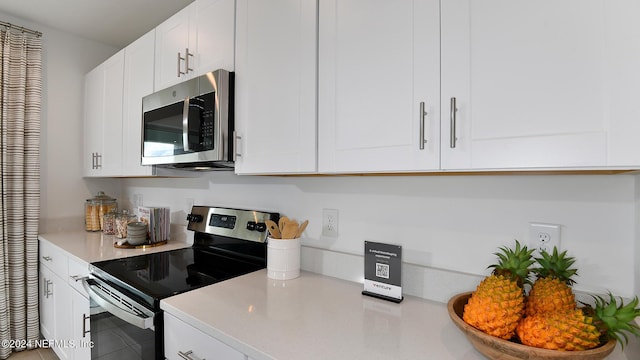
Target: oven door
120,327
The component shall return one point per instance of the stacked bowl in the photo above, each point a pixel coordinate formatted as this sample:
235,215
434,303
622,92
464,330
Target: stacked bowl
137,233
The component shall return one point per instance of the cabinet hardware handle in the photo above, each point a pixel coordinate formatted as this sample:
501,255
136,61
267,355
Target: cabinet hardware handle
180,58
423,114
452,116
47,258
188,355
186,60
93,161
97,161
84,325
236,149
47,292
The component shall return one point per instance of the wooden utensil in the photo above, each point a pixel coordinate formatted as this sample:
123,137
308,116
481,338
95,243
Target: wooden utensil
273,229
301,228
281,223
290,229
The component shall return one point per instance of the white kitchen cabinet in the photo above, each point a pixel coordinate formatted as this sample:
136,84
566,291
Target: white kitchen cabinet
103,118
544,85
183,341
80,310
113,111
64,304
275,108
80,326
47,312
55,298
378,61
138,82
549,86
197,39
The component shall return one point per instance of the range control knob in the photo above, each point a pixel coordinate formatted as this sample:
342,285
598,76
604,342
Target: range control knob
251,225
261,227
195,218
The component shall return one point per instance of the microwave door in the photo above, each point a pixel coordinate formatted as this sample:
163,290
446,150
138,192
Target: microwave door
163,131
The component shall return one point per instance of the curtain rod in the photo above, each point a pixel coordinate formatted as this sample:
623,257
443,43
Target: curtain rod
20,28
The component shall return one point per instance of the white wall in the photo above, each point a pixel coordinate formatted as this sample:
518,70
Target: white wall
66,58
449,226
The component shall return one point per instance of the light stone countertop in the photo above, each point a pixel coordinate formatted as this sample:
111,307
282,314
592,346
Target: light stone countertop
310,317
315,317
318,317
95,246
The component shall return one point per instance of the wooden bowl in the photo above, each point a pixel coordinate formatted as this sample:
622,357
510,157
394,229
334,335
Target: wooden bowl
496,348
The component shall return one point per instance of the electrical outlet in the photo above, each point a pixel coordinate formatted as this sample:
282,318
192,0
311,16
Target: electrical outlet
330,222
544,237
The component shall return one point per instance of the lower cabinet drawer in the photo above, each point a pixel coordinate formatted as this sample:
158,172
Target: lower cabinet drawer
77,271
183,341
54,258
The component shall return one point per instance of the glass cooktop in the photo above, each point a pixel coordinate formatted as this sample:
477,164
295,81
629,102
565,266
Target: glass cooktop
152,277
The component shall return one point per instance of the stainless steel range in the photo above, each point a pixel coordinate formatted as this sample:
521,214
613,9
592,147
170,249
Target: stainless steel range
126,320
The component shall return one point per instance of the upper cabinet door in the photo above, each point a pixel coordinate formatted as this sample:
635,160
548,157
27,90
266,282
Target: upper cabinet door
103,118
276,86
172,42
138,82
113,73
536,84
196,40
378,61
93,107
212,35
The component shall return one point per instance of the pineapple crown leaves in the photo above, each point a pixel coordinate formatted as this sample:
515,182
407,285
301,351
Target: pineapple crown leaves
556,265
514,263
617,318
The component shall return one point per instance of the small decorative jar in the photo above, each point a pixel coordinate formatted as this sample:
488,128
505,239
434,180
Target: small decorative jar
109,222
122,220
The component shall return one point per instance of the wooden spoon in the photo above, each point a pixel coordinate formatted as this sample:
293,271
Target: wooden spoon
302,227
273,229
282,222
290,229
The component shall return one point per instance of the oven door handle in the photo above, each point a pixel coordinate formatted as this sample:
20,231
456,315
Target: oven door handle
102,299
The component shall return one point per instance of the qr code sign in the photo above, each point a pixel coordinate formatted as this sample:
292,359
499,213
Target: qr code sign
382,270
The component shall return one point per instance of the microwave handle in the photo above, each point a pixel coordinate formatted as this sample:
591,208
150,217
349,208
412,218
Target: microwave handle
185,125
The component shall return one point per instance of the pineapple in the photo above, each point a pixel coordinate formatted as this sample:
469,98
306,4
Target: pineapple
581,329
497,305
552,289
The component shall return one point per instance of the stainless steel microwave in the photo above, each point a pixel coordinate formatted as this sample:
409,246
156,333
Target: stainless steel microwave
190,125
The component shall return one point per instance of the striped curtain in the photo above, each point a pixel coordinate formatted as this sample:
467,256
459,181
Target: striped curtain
20,89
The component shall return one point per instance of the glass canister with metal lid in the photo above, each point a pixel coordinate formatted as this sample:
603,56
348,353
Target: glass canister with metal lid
109,222
122,220
95,209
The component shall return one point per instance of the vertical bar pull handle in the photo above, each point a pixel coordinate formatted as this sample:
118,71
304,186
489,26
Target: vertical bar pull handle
180,58
47,291
237,140
423,114
186,61
85,331
452,118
